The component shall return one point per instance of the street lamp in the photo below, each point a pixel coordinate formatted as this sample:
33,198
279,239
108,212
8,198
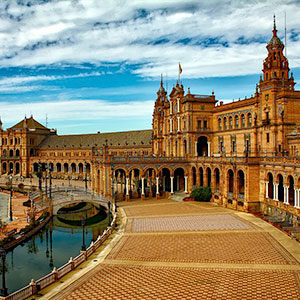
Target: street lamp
112,187
10,202
85,175
40,175
46,177
109,208
83,248
50,182
3,291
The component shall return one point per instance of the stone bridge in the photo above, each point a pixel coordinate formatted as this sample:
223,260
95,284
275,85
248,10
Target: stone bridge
64,195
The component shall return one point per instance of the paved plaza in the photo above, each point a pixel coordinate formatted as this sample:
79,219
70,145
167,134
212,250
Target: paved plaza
170,250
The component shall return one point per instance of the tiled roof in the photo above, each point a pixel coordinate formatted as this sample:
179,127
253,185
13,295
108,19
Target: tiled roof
130,138
29,123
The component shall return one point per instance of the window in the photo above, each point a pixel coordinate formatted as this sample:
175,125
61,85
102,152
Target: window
267,76
267,115
220,124
267,97
268,137
243,120
249,120
230,122
275,74
199,124
236,121
205,124
225,123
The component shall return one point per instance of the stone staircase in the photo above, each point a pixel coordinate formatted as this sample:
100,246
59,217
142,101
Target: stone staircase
178,196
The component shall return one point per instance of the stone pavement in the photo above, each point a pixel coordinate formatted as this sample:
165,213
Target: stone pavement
170,250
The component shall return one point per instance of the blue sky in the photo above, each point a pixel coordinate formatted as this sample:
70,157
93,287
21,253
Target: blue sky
95,65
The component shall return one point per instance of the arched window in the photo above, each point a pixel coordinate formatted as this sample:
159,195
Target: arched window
220,124
243,120
249,117
225,123
230,122
17,152
11,153
236,121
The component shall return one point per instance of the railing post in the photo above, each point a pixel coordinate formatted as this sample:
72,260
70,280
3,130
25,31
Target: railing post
33,287
55,274
71,261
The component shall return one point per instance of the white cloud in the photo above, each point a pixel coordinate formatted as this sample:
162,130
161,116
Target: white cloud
112,31
76,110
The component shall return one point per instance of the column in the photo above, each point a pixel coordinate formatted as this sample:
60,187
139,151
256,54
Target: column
274,191
298,200
143,186
157,186
208,149
70,169
196,143
77,169
54,168
171,125
127,188
286,195
267,189
172,190
185,184
295,198
178,123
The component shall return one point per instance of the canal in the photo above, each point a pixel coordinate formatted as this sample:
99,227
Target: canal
53,246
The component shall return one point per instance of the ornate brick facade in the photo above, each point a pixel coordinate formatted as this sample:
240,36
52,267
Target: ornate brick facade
247,150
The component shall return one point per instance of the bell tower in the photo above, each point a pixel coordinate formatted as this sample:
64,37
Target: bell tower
276,66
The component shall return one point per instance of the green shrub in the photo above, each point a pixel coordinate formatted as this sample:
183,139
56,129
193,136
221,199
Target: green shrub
202,194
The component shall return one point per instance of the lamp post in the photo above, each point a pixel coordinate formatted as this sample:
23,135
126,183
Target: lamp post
85,175
109,208
112,187
10,202
83,248
40,175
50,182
3,290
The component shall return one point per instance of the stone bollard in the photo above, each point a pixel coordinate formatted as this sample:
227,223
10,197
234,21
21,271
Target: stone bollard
55,274
71,261
33,287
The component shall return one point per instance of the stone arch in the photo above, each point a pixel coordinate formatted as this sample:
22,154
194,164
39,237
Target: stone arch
4,168
249,119
201,172
166,179
270,185
11,168
291,184
185,152
202,146
11,153
73,168
4,153
179,174
208,176
66,168
194,176
17,168
280,188
230,181
58,167
17,152
236,121
217,178
243,123
241,182
88,169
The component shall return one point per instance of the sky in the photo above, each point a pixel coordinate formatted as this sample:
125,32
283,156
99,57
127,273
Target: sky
83,66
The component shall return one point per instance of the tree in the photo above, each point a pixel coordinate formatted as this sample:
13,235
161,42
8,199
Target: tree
202,194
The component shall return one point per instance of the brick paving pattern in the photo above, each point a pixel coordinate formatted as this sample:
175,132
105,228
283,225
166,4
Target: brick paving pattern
255,247
170,209
164,283
189,223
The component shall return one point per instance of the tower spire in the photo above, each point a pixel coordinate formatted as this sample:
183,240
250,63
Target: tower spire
274,26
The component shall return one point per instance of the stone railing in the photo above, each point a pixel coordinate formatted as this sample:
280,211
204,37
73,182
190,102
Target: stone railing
35,286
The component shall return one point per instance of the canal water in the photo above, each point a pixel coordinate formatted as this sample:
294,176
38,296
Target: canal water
51,247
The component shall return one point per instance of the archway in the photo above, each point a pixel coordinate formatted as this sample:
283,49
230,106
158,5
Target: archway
280,188
202,146
217,178
73,168
17,168
241,183
185,147
135,183
120,183
230,176
149,182
201,176
66,168
208,176
58,167
11,168
179,179
194,176
291,191
80,167
17,152
11,153
166,181
88,169
4,168
270,186
51,167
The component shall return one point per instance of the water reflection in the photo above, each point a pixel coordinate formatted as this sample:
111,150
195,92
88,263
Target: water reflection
52,247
